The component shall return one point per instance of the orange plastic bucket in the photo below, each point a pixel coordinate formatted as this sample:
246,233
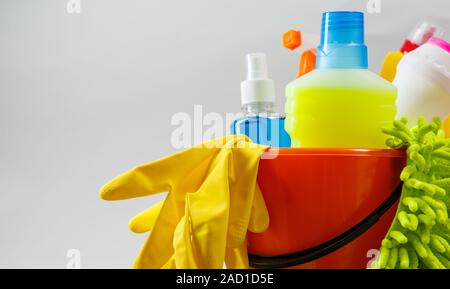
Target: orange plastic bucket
327,207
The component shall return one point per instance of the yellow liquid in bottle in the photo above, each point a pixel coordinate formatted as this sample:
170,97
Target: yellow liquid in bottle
339,108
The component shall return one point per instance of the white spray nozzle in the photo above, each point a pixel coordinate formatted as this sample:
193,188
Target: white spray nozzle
257,66
424,31
258,87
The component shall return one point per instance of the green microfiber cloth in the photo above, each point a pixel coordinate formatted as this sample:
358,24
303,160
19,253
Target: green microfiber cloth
419,236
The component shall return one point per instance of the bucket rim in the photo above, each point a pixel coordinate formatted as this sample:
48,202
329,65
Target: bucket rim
361,152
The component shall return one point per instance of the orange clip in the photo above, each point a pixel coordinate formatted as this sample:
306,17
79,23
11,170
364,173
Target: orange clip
307,62
292,39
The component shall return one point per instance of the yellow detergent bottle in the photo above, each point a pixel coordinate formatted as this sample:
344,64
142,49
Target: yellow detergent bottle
340,103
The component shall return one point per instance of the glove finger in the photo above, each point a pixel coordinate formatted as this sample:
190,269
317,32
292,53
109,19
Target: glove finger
237,258
207,211
184,256
144,221
158,248
163,174
259,218
242,197
170,264
157,176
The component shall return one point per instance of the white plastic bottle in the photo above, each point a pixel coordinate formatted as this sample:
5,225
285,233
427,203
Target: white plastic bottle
423,81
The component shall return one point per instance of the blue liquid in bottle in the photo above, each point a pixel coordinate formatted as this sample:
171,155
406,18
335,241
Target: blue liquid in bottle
262,125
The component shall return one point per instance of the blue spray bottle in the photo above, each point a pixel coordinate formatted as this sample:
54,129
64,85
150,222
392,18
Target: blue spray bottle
260,122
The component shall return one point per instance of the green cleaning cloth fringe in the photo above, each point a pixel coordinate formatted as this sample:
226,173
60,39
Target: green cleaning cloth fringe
419,236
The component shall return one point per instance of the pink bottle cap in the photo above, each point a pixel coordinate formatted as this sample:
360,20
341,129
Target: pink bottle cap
440,43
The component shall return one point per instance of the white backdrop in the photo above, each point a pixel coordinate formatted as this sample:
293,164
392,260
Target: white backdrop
84,97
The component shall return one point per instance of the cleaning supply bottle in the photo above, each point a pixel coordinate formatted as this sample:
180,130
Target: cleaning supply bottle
260,123
340,103
446,127
390,63
418,36
423,81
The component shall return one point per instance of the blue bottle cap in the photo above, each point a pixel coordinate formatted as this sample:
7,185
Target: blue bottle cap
342,41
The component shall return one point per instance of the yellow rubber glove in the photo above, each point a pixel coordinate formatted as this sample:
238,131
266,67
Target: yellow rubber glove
213,200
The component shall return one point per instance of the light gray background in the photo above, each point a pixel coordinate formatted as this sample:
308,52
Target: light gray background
86,97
